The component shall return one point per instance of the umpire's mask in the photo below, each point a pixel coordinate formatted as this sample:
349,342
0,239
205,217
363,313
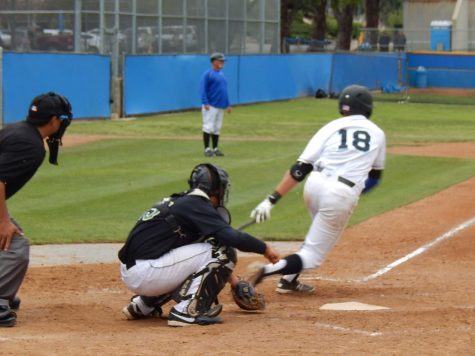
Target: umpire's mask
42,109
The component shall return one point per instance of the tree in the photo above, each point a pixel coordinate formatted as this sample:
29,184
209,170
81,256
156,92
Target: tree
372,21
344,11
285,22
320,19
391,13
291,10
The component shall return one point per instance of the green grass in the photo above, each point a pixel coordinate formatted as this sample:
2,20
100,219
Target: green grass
298,120
100,189
425,98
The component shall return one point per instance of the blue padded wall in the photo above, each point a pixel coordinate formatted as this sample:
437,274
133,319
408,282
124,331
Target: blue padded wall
166,83
372,70
83,79
451,70
276,77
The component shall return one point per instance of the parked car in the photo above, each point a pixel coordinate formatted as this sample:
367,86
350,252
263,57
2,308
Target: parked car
92,40
147,39
53,40
5,38
173,37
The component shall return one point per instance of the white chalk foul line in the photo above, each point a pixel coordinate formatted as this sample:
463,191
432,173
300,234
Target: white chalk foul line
449,234
341,328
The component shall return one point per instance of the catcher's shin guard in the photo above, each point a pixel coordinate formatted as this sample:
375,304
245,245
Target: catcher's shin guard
203,286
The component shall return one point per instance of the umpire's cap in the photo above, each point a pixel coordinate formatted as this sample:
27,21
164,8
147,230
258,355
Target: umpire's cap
217,57
45,106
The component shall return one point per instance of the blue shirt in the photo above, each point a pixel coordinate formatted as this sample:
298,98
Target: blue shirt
214,89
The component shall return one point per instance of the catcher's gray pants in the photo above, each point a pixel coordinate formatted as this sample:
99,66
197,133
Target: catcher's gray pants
13,266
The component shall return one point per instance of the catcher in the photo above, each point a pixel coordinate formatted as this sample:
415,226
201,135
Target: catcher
183,248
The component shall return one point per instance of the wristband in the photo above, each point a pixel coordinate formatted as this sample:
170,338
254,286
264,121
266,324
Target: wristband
274,197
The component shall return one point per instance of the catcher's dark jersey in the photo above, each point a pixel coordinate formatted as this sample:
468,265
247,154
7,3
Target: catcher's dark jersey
21,153
180,221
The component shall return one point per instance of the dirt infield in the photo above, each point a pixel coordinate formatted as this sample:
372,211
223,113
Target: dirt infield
444,91
459,150
417,260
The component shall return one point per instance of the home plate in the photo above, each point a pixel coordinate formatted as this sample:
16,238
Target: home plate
351,306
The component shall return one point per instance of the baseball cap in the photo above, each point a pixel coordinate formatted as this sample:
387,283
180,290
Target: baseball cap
217,57
44,106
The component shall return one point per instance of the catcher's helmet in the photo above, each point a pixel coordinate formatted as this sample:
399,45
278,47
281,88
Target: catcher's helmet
354,100
45,106
211,179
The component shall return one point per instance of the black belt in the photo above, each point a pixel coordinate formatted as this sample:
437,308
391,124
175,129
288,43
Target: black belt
340,178
346,181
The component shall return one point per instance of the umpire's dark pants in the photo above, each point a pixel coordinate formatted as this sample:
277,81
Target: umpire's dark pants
13,266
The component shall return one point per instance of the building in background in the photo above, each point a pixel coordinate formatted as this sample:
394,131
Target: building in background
425,19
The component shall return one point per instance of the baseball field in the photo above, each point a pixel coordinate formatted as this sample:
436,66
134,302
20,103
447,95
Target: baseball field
407,256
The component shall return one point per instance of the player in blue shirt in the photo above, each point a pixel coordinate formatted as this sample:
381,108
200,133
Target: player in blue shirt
214,100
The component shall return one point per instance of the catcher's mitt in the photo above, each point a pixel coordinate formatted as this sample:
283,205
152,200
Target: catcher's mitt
246,297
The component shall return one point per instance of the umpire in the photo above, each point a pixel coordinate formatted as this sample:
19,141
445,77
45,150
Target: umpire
22,152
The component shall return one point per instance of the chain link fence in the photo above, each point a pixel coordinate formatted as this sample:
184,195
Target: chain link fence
119,27
387,40
412,40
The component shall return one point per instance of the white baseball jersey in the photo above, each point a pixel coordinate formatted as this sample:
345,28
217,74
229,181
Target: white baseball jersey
349,147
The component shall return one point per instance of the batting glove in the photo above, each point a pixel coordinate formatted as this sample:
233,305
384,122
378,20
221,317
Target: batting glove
262,211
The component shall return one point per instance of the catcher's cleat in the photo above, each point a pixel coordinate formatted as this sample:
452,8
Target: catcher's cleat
175,318
15,303
294,286
255,273
7,316
132,312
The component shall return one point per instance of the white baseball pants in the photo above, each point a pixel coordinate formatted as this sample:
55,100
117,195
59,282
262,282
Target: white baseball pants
152,278
330,204
212,120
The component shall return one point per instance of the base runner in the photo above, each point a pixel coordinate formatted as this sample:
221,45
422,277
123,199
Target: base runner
343,159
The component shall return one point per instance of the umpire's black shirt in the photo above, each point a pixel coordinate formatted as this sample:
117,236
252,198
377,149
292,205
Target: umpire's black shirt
152,236
21,153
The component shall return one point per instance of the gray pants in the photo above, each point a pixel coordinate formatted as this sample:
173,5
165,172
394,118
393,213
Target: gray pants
13,266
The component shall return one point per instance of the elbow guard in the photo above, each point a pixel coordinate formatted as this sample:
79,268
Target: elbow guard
300,170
